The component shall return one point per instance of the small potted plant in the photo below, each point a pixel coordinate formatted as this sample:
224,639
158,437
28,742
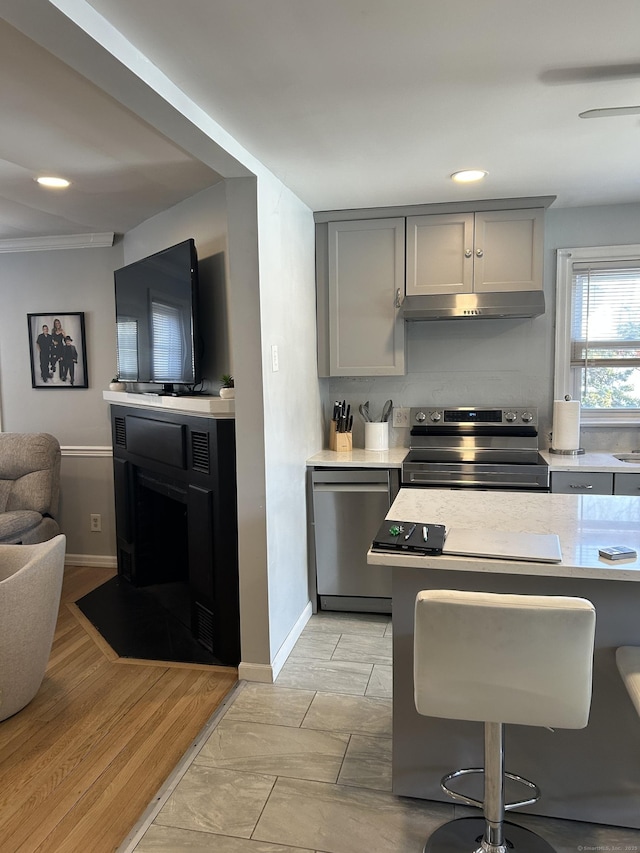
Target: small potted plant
116,385
227,390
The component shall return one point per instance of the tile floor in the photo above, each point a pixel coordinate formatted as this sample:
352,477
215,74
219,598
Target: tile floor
304,765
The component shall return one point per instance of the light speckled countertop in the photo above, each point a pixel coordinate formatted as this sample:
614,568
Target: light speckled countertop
605,462
393,458
583,524
359,458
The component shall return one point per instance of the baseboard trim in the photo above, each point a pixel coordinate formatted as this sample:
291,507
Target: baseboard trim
92,561
262,672
267,673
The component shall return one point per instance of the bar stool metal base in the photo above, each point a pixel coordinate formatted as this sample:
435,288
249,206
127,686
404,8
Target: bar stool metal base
466,835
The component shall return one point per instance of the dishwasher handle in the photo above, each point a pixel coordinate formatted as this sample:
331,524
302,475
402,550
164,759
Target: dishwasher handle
349,477
351,487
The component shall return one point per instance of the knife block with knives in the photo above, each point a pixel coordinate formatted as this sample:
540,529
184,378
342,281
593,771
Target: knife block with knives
340,428
340,441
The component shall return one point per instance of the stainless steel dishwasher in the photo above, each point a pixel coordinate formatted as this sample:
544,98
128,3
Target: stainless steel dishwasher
349,505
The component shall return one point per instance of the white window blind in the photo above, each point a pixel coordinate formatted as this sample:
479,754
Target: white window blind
168,343
127,349
605,334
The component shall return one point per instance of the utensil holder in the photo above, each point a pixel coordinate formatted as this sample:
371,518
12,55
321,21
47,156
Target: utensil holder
376,435
339,441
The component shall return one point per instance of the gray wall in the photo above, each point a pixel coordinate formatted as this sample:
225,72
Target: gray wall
291,399
506,362
62,280
65,280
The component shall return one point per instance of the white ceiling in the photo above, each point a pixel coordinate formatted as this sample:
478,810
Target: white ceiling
352,103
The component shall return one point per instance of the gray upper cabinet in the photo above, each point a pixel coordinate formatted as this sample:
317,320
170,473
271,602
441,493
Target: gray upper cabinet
368,260
365,277
496,250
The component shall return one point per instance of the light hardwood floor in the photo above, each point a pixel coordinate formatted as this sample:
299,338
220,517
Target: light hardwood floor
82,761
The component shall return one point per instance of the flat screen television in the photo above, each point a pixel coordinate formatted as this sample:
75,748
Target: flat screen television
157,320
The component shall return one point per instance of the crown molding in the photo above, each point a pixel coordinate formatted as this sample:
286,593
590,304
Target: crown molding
64,241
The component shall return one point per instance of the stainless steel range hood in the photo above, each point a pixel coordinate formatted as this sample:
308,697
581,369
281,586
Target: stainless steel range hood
488,306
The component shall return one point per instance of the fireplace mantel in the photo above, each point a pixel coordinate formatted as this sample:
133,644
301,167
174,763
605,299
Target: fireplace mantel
166,462
214,407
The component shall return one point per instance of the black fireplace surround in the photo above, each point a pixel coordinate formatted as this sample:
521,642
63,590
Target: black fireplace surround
176,518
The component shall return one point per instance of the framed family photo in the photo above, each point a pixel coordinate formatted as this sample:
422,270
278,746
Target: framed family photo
58,350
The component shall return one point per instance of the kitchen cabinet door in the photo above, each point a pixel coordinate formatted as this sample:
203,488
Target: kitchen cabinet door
499,250
439,254
626,484
581,482
508,250
366,284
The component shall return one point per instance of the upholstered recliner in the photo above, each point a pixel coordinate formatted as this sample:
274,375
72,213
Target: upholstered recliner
29,487
30,586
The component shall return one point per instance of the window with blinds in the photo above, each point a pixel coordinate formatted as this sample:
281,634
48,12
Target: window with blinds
168,342
605,334
127,349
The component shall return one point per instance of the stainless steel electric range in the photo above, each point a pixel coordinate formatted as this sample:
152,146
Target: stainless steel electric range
475,448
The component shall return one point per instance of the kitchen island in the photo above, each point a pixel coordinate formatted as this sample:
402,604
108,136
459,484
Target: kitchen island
591,774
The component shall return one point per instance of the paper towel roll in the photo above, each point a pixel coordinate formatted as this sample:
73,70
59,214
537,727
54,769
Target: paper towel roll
566,425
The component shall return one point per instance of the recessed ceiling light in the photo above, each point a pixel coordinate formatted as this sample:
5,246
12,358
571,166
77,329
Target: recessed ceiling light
57,183
466,176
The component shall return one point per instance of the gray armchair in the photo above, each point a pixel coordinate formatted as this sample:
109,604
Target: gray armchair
30,586
29,487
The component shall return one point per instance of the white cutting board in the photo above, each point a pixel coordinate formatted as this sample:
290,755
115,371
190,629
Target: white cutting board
505,545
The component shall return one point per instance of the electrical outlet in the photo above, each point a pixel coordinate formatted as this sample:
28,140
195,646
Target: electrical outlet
95,522
400,416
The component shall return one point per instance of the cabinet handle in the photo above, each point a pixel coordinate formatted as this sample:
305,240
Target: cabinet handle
580,486
398,299
468,253
479,253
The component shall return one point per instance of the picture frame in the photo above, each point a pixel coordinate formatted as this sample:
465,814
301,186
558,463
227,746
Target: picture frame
58,354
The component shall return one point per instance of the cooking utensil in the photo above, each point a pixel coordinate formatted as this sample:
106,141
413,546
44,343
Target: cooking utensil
386,411
363,408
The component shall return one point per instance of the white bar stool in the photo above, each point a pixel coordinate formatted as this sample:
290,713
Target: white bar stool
496,659
628,661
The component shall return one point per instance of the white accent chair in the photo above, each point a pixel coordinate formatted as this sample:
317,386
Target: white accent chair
496,659
30,587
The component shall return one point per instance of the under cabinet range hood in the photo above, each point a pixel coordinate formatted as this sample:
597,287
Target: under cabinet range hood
488,306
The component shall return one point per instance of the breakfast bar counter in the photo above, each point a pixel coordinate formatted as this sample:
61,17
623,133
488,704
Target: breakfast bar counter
591,774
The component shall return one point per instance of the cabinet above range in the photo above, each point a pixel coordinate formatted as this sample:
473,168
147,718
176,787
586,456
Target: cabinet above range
493,250
444,261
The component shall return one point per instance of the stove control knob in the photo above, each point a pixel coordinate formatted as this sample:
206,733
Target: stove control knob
420,417
510,417
527,417
435,417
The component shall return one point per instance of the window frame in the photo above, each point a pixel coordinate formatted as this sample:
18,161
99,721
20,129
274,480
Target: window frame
563,383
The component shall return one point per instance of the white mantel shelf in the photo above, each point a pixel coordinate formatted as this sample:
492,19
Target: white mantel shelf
199,405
